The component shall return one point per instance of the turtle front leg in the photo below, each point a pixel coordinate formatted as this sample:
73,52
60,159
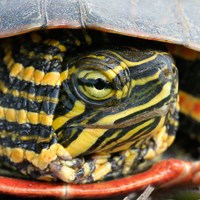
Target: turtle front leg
56,163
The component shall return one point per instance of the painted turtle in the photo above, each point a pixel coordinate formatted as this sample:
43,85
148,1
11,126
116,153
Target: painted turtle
84,107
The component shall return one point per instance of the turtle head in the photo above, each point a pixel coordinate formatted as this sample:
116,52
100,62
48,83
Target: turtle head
112,100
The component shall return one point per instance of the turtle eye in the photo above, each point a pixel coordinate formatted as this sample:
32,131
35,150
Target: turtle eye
100,78
94,85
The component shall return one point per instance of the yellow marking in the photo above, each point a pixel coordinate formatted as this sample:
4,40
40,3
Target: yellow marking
85,140
47,57
46,140
133,64
52,42
66,174
55,43
163,140
3,88
26,95
58,57
72,70
17,155
190,105
125,138
130,158
122,93
110,74
64,76
41,160
10,115
86,168
46,178
100,147
30,137
110,119
115,71
174,122
4,134
101,171
29,155
47,156
8,152
2,112
32,117
143,81
88,39
8,59
32,54
16,69
97,57
38,76
141,137
22,116
78,109
51,78
62,48
27,74
1,150
101,158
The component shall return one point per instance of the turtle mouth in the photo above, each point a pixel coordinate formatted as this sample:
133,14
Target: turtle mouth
160,112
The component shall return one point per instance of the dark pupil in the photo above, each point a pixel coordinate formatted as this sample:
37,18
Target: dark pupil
99,84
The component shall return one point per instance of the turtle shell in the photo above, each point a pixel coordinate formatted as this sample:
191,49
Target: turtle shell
170,21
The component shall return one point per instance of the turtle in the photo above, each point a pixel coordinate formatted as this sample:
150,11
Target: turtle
91,105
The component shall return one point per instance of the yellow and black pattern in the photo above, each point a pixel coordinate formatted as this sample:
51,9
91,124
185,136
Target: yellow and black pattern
82,116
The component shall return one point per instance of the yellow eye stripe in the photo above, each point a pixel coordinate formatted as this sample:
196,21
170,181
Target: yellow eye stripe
110,119
134,64
112,73
145,80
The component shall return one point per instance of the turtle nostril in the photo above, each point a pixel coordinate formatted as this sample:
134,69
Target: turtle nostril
166,72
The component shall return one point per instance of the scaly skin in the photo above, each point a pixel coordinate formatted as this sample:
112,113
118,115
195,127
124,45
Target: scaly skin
83,117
